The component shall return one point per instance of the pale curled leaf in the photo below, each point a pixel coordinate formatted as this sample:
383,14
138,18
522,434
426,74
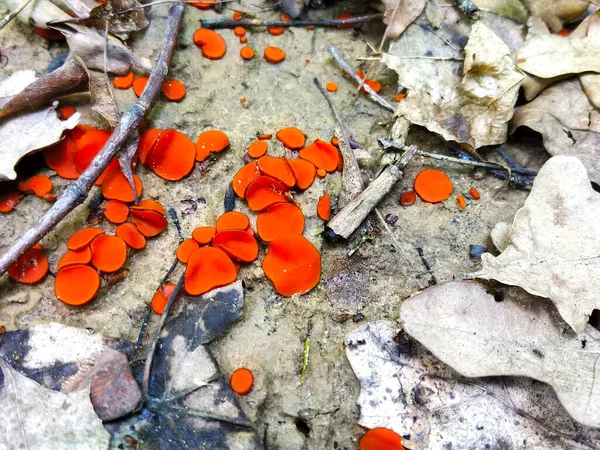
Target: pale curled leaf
590,82
122,16
568,122
554,250
101,95
15,84
399,14
435,13
499,235
27,133
466,328
34,417
513,9
556,12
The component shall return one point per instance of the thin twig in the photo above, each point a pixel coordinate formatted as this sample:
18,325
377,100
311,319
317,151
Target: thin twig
333,110
126,163
217,22
11,15
78,191
475,163
434,58
344,65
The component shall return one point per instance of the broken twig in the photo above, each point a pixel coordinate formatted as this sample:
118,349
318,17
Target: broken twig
468,8
216,22
77,192
11,15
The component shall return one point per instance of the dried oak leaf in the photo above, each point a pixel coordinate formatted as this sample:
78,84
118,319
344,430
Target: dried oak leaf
399,14
101,95
469,103
590,28
568,122
512,9
555,13
466,328
405,388
121,16
554,250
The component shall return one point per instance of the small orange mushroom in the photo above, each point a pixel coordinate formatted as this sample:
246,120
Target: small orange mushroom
246,53
321,173
345,16
375,85
474,193
147,142
331,87
173,156
213,46
277,168
237,244
322,154
109,253
64,112
161,297
279,220
399,97
82,238
232,220
237,15
264,191
151,205
241,381
433,186
40,185
563,32
149,222
81,256
264,137
243,40
59,157
88,147
116,187
292,264
124,82
208,268
335,141
31,267
116,211
204,235
76,285
174,90
274,55
131,236
304,172
239,31
244,177
139,85
9,201
408,198
291,138
210,141
258,148
381,439
461,201
276,31
185,249
324,207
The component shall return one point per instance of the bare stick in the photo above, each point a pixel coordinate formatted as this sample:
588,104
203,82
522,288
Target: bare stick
468,8
77,192
475,163
344,65
11,15
126,163
217,22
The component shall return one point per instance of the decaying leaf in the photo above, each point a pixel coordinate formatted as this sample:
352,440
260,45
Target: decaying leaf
500,235
405,388
568,122
112,13
435,13
466,328
556,12
27,133
590,28
399,14
15,84
513,9
468,103
101,95
33,417
554,250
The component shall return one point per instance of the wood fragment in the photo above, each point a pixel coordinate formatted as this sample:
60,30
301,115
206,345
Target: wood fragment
468,8
217,22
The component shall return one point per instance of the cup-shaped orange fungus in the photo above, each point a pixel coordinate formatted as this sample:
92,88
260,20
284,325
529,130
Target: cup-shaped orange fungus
109,253
331,87
322,154
239,31
237,244
59,157
264,137
139,85
131,236
76,285
204,4
264,191
340,165
185,249
277,168
208,268
161,297
82,238
40,185
203,235
210,141
237,15
88,147
31,267
279,220
211,43
461,201
241,381
324,207
149,222
174,90
116,187
232,220
408,198
124,82
381,439
433,186
345,16
66,111
147,142
304,172
244,177
246,53
274,55
474,193
321,173
375,85
335,141
173,156
9,201
81,256
258,148
291,138
116,211
152,205
292,264
275,31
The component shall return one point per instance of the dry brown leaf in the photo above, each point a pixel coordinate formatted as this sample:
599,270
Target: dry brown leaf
554,250
122,16
469,103
466,328
568,122
513,9
399,14
102,98
555,13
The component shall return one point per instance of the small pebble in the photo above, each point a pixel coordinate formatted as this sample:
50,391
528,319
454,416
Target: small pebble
391,219
353,144
358,317
475,251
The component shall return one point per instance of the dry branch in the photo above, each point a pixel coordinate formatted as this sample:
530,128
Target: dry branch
77,192
217,22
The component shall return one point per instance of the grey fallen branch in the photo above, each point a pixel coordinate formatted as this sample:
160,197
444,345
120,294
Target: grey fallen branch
216,22
77,192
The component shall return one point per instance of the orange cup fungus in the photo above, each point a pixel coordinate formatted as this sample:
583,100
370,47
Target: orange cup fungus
331,87
204,4
151,205
208,268
109,253
116,187
116,211
149,222
204,235
174,90
185,249
474,193
64,112
246,53
244,177
210,141
31,267
40,185
322,154
76,285
238,244
276,31
408,198
321,173
381,439
161,297
241,381
461,201
139,85
124,82
291,138
72,257
277,168
257,149
211,43
324,207
147,142
239,31
279,220
274,55
263,192
232,220
237,15
59,157
173,156
433,186
131,236
345,16
304,172
82,238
